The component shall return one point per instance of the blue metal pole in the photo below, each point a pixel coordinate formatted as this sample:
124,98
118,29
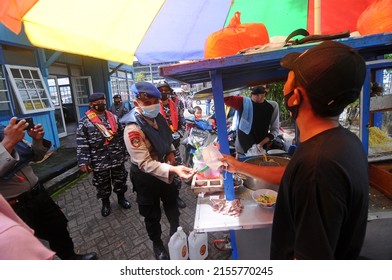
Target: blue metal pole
217,91
365,112
377,116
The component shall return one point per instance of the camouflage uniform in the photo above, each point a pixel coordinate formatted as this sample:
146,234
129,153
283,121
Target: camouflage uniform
106,159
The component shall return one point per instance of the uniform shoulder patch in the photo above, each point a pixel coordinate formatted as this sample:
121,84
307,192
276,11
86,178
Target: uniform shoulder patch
135,138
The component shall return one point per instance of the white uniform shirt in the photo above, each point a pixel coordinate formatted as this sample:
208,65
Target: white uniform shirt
143,154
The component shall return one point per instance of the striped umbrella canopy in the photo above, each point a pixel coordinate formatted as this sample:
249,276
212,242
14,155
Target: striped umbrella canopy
158,31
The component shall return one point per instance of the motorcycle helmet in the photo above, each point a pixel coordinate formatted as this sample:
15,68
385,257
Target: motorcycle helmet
164,84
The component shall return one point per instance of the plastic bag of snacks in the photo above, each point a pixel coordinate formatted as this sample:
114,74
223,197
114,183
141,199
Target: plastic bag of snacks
377,18
235,37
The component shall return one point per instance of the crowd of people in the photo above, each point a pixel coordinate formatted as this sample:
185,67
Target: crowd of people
321,211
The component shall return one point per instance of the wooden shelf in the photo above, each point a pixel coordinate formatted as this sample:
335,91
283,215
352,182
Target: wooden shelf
381,103
380,177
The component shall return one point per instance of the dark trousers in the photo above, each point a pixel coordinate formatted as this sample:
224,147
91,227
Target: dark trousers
177,180
44,216
104,180
150,192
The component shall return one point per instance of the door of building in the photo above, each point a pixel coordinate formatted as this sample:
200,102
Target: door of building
82,88
55,96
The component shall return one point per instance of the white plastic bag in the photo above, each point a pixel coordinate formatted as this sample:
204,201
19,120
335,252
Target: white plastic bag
211,156
255,150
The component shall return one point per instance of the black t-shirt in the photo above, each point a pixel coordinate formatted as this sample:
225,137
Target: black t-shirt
262,114
322,206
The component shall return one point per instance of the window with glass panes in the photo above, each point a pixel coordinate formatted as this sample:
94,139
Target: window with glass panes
5,103
121,82
28,85
81,90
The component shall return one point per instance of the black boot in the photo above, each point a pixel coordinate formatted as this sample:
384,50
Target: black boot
88,256
106,209
123,202
160,251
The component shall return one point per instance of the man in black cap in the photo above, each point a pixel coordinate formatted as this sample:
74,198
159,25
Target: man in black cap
322,206
21,188
118,107
101,149
170,110
149,142
258,120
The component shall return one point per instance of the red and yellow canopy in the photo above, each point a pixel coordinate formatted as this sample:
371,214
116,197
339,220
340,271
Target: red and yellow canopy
163,30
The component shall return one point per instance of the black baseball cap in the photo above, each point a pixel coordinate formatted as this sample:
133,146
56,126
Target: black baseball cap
258,90
331,72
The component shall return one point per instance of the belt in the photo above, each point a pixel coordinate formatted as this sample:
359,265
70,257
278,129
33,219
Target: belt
27,195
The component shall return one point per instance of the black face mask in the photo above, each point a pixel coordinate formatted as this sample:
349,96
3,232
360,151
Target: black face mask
164,96
293,109
100,107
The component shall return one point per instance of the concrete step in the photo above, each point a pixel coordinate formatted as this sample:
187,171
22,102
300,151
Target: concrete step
57,169
57,183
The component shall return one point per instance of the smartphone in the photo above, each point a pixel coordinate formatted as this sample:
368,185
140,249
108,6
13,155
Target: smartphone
29,121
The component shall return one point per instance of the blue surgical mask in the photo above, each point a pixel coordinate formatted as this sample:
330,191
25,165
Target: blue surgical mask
151,111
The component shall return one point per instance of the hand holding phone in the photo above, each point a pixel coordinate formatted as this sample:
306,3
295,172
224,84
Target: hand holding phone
29,121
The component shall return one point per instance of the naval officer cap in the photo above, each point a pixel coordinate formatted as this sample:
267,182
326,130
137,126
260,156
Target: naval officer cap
96,96
147,88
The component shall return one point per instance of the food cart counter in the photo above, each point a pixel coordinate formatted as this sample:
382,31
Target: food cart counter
252,227
252,215
263,67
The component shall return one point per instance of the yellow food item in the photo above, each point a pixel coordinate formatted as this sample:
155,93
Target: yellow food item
379,139
265,198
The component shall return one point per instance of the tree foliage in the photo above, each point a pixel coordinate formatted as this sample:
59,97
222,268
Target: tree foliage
140,77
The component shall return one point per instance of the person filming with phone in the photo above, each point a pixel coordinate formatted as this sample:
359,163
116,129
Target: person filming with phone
21,188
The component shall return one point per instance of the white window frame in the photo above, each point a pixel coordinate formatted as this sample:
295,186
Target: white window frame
38,96
6,92
82,88
120,83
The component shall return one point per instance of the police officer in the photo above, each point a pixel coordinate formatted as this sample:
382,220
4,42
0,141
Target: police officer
101,149
118,107
149,140
174,116
20,187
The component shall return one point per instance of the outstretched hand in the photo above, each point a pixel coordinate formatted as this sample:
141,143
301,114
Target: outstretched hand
85,168
231,162
183,172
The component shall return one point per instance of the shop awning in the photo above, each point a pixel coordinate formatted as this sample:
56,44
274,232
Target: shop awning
164,30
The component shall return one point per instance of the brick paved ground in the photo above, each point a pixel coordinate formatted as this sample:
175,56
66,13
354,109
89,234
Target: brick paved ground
121,235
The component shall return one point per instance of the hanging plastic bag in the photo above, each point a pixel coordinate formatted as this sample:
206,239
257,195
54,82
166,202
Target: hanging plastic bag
235,37
377,18
212,156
